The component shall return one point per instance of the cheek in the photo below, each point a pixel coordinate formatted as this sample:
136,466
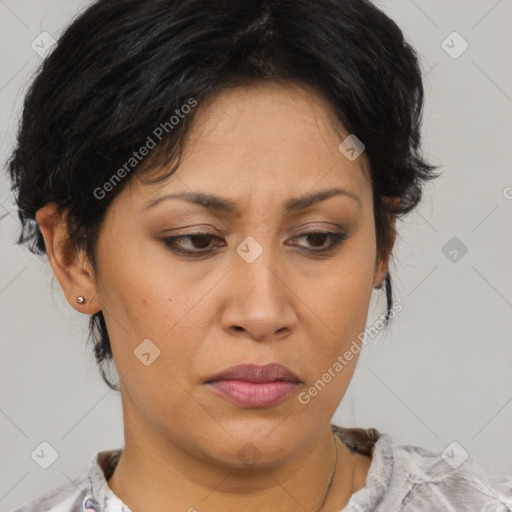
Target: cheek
135,291
343,294
156,365
154,326
340,299
149,296
332,356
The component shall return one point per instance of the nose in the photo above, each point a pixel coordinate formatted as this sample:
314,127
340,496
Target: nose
260,302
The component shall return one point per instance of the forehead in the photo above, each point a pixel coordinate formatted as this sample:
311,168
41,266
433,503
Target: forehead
265,140
266,115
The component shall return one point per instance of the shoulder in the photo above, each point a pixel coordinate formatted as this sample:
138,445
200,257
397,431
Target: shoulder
65,498
83,493
451,477
407,478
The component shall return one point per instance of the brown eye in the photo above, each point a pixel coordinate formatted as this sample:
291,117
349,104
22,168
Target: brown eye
198,243
318,238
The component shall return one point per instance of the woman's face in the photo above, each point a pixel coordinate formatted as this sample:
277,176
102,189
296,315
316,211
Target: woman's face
254,291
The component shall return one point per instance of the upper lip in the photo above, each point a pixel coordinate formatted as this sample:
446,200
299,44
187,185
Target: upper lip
255,373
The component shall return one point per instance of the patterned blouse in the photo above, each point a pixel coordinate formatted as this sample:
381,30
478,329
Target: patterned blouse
400,478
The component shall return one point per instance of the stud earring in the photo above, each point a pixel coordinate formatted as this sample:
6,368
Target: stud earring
81,299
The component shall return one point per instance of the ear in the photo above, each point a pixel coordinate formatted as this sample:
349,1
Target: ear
383,258
70,266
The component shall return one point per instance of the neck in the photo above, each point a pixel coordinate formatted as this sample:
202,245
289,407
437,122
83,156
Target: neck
170,478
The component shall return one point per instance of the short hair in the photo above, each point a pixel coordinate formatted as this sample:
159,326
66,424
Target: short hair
123,68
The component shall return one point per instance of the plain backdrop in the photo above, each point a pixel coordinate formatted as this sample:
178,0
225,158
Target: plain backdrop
440,373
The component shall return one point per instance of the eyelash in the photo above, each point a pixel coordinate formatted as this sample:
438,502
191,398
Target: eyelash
170,242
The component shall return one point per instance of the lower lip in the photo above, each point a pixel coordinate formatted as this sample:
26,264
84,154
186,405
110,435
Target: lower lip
254,394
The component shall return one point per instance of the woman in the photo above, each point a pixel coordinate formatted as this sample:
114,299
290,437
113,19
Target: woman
217,185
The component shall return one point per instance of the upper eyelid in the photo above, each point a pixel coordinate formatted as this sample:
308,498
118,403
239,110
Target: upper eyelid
313,229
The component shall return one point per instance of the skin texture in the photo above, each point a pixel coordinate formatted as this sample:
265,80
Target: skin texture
258,146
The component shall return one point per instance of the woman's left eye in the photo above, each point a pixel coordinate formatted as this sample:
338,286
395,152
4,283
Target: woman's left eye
200,243
317,237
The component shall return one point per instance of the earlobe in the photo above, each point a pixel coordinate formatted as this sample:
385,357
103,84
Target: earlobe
382,268
380,276
69,265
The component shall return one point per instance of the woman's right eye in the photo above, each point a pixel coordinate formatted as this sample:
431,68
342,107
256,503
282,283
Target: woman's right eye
198,243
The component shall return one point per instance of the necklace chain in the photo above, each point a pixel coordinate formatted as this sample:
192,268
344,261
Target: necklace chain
331,477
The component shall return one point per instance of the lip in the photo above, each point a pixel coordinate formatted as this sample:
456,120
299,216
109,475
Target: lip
254,386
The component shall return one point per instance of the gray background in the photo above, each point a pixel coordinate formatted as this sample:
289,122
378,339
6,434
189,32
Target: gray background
439,373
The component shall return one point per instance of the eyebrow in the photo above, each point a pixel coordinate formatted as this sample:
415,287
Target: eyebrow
227,206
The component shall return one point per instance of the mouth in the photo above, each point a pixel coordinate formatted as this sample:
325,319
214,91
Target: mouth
255,387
